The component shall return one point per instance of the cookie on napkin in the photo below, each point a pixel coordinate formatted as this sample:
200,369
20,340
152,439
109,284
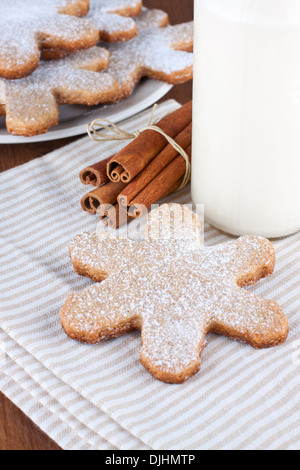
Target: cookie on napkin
174,290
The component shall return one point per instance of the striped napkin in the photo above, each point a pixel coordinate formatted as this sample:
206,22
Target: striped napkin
99,396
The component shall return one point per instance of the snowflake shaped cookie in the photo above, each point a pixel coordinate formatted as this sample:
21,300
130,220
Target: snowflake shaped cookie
160,51
31,104
27,27
174,290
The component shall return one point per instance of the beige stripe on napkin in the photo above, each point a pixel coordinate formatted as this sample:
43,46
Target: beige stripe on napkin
21,392
55,407
241,399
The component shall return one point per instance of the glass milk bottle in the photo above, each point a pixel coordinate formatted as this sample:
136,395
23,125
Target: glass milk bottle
246,123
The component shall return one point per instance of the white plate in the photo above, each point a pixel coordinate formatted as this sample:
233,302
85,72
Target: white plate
73,119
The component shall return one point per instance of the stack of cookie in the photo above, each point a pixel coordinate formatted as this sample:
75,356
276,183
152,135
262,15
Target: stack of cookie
83,52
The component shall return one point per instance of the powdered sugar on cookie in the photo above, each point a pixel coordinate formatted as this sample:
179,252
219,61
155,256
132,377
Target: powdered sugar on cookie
26,27
175,292
159,51
31,104
112,18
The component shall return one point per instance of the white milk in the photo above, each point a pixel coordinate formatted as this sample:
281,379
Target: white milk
246,135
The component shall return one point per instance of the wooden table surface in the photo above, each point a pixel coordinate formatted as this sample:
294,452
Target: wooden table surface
17,431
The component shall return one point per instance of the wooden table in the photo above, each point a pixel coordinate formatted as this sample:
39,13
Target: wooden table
17,432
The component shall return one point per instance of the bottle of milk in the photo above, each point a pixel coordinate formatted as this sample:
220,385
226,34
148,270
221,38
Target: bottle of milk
246,123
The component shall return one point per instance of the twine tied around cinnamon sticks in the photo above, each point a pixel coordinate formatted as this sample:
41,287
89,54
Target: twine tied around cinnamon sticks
95,127
148,169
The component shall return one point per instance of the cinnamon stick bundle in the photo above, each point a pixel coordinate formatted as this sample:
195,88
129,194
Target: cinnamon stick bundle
95,175
141,181
141,151
144,172
167,182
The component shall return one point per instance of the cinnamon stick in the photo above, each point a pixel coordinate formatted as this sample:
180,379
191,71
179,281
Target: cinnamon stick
116,174
168,154
105,194
95,175
103,211
142,150
167,182
114,216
